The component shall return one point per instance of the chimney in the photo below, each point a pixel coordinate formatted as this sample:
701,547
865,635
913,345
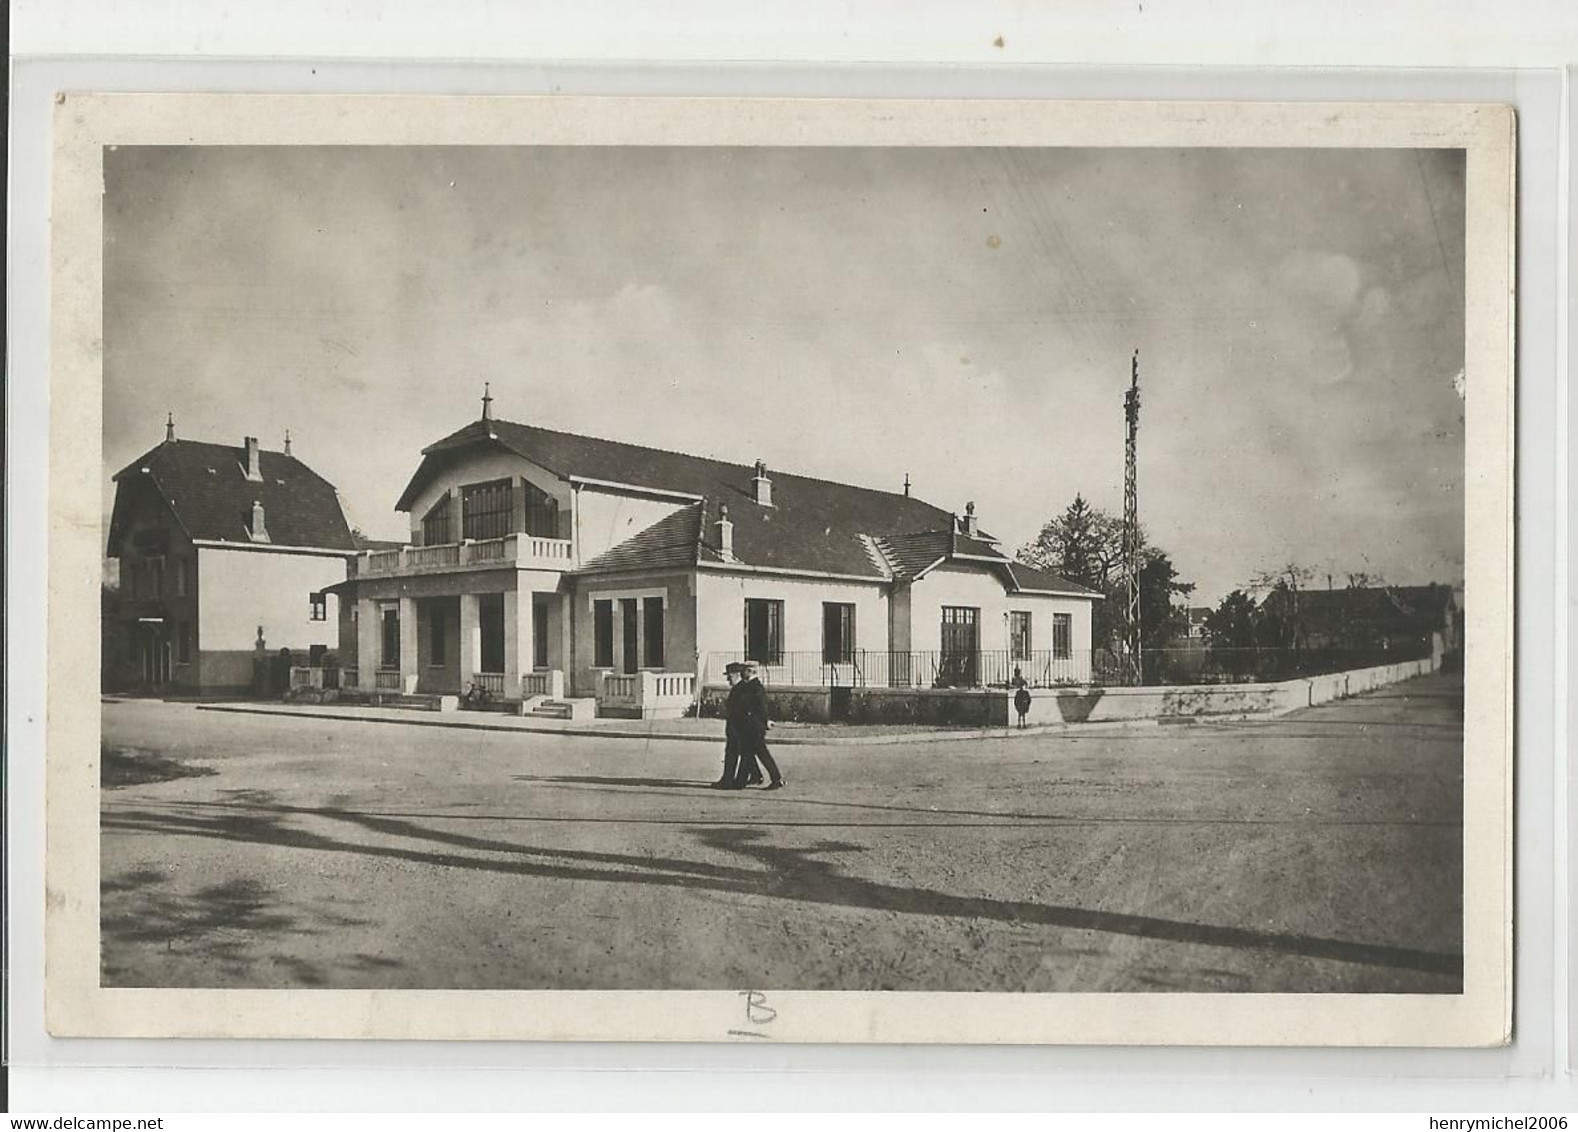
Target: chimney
969,519
906,485
169,427
725,534
287,442
259,529
762,485
254,467
487,401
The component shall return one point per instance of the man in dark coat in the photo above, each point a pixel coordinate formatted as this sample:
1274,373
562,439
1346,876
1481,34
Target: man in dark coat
732,777
748,711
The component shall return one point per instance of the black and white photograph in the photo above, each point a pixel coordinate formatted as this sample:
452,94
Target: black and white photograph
1035,569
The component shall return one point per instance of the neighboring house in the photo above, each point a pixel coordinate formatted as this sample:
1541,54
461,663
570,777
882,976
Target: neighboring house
226,553
1192,622
1378,617
547,563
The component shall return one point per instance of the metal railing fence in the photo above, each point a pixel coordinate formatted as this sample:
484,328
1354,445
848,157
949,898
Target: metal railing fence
1048,668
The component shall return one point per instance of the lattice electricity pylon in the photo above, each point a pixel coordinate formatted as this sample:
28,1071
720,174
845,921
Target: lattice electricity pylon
1134,669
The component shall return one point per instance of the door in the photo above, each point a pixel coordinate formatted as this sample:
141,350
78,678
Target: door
490,630
631,621
155,649
539,632
838,632
960,646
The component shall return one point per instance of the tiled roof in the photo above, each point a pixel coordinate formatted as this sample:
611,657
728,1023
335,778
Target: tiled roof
911,555
813,525
671,541
1030,578
207,488
1421,607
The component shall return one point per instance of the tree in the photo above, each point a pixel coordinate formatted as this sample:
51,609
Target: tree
1231,625
1070,545
1085,545
1160,619
1277,621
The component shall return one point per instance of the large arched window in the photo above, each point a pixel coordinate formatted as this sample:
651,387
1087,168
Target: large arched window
435,524
485,510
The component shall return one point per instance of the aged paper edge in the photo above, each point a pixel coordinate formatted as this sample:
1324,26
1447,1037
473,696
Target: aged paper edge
75,1004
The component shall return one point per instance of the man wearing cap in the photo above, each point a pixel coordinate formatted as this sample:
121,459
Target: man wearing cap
748,719
732,778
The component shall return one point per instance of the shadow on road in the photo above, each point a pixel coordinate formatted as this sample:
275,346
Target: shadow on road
1004,819
795,874
218,924
593,780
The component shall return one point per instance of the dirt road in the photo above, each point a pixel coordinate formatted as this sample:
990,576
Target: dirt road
1319,852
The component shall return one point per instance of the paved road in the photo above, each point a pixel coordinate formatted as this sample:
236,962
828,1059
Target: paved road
1318,852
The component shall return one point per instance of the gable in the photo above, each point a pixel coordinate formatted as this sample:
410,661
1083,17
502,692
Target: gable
473,465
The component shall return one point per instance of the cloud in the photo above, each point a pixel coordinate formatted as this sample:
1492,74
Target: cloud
1374,308
1330,279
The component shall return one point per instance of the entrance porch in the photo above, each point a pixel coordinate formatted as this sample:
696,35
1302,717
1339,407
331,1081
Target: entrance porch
493,646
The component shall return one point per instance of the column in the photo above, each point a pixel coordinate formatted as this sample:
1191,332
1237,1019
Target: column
470,639
566,662
517,639
456,515
369,643
409,628
518,504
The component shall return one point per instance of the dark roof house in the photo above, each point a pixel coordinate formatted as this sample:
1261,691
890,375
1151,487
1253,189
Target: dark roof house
215,492
1358,616
811,525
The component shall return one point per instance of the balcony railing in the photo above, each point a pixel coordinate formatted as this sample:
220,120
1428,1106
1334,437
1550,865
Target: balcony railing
872,668
523,551
648,693
547,682
1048,668
490,682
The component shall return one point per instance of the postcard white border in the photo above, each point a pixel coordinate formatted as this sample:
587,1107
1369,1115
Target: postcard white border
77,1005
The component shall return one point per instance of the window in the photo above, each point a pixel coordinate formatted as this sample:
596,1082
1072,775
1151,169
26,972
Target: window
180,577
156,577
602,634
542,513
838,632
1062,635
485,510
1018,635
764,622
438,636
652,632
391,637
183,642
319,605
435,524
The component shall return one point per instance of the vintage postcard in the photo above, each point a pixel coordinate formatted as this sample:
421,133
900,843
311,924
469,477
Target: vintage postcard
781,570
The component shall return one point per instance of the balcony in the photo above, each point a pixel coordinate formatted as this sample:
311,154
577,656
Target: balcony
519,552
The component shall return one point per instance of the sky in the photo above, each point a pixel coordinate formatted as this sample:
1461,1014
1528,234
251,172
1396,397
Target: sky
965,316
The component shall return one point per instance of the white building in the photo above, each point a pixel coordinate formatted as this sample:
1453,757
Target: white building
548,564
227,554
